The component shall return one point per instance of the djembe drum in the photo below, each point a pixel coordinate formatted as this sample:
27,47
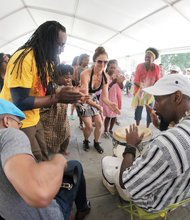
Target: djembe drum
119,140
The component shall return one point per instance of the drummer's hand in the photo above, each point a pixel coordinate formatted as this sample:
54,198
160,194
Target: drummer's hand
154,117
132,136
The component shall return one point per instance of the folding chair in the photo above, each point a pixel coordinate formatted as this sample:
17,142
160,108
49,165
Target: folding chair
136,211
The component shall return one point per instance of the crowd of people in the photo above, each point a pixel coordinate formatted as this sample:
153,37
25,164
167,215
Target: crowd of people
37,181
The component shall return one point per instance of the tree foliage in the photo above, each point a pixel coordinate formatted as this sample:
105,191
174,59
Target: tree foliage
182,60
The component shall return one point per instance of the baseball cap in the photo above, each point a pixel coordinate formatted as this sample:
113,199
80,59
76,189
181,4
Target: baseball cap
7,107
170,84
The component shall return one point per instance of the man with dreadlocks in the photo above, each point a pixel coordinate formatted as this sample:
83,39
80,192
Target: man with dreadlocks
28,73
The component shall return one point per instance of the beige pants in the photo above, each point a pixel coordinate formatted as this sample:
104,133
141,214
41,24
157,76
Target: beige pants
37,140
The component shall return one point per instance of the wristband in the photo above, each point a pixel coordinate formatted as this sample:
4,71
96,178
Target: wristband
129,150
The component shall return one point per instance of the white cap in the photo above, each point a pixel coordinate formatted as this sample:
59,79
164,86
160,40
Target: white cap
170,84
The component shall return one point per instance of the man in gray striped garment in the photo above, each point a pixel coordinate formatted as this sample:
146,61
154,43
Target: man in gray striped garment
161,176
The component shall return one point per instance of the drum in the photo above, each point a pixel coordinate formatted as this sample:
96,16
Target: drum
119,140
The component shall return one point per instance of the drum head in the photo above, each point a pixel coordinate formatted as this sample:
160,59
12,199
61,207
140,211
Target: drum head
120,134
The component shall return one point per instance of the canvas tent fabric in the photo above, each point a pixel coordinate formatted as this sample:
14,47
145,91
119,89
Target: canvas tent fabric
124,27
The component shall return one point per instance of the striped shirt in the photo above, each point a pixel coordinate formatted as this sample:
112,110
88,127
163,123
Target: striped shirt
161,176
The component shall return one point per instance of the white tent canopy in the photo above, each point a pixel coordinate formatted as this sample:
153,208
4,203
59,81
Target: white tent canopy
124,27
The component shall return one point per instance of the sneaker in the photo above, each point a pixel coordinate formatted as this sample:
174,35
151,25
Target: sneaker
72,117
98,147
86,146
80,215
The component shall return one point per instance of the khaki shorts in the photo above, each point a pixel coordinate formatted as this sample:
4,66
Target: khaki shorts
37,140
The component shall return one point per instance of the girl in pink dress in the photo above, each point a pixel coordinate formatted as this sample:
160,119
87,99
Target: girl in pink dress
115,81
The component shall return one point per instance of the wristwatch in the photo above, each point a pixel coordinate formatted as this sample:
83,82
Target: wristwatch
129,149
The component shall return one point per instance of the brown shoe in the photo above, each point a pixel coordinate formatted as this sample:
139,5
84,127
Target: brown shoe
80,215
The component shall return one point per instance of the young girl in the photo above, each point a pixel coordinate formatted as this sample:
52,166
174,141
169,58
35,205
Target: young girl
115,84
54,118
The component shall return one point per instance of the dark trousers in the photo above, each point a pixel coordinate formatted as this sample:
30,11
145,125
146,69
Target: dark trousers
77,194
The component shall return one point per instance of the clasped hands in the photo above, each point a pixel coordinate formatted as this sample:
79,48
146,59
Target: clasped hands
70,94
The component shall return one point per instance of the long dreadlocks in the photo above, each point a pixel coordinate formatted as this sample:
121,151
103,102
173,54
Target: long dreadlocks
44,43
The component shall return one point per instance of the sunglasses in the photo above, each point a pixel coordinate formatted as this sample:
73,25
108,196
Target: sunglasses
102,61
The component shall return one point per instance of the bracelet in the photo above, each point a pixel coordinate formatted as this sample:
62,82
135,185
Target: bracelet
129,150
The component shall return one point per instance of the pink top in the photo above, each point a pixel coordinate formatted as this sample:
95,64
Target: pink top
115,96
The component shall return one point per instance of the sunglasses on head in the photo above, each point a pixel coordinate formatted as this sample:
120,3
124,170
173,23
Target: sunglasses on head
102,61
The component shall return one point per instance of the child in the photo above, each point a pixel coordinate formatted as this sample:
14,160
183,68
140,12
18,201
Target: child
54,119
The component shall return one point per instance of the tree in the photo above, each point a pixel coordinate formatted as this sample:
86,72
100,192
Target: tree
182,60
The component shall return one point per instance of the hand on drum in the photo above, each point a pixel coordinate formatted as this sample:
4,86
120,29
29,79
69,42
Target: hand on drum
132,136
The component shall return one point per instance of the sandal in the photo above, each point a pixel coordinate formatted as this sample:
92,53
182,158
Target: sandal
98,147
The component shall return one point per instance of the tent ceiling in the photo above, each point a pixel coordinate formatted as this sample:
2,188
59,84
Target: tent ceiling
123,27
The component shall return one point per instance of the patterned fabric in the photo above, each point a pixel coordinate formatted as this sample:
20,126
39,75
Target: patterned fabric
56,127
86,110
161,176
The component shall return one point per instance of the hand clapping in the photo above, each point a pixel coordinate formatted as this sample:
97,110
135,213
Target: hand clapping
69,94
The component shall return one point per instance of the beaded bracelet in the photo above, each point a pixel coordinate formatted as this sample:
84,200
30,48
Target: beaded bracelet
129,150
